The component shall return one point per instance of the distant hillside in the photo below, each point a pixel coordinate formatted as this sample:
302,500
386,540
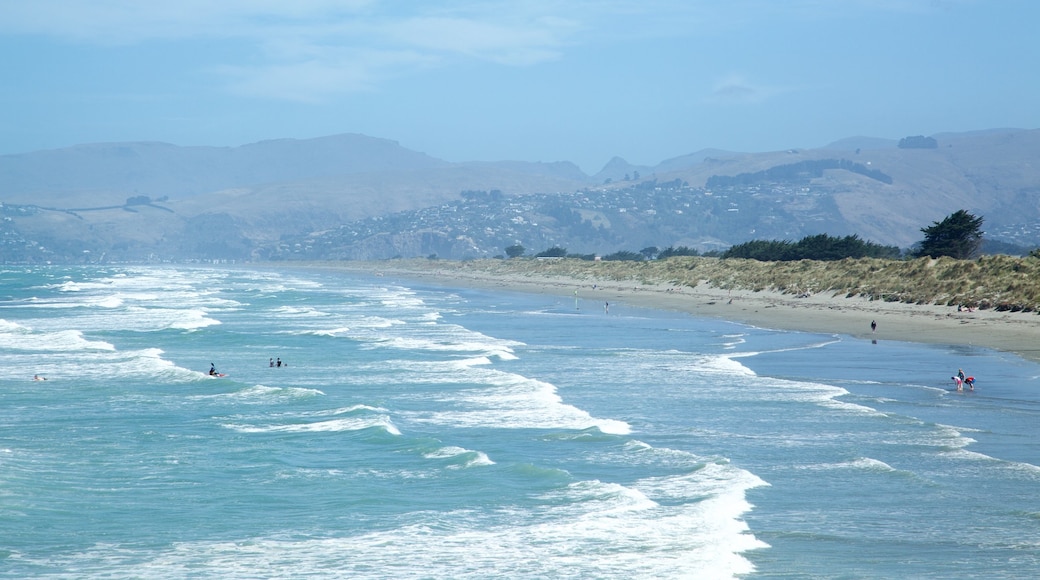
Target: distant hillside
990,173
133,201
118,169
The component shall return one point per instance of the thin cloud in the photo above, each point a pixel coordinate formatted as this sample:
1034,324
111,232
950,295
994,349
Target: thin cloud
308,50
123,22
521,44
735,89
314,80
311,50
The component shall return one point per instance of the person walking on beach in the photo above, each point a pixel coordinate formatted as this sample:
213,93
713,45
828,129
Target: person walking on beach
606,308
873,326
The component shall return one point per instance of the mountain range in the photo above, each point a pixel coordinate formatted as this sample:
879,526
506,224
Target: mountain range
355,196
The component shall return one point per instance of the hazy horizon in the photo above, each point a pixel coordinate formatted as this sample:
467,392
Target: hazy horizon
535,81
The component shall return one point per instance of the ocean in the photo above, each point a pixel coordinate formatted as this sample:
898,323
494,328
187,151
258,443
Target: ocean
418,431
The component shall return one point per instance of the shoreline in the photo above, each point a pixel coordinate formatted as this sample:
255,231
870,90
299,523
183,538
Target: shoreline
821,312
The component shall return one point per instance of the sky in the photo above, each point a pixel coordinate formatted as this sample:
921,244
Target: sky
526,80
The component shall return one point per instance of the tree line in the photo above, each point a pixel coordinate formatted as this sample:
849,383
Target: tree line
819,247
959,236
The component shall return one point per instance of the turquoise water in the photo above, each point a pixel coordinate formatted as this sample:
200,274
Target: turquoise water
423,432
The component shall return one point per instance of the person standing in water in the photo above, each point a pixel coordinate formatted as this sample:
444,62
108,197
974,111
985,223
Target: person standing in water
873,326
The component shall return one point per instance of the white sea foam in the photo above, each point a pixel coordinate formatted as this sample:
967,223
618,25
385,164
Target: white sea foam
588,529
862,463
343,410
731,341
6,326
513,401
330,426
264,394
331,332
107,302
501,349
469,458
97,363
635,452
20,338
302,312
401,300
1028,469
722,365
373,322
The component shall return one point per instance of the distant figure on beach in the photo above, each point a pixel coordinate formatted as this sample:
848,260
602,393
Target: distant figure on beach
957,381
270,362
606,307
278,363
873,326
970,381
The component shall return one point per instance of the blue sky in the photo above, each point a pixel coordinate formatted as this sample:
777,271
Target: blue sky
534,80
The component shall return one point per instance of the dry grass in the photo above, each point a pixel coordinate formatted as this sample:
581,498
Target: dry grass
999,282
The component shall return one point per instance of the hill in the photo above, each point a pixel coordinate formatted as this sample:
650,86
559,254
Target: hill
363,197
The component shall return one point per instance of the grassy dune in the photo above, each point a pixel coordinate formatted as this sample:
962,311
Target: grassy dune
992,282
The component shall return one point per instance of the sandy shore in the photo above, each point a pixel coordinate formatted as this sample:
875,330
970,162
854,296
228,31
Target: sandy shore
822,312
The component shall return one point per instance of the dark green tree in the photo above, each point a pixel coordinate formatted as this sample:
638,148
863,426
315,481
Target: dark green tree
817,247
680,251
623,256
553,252
649,252
515,251
958,236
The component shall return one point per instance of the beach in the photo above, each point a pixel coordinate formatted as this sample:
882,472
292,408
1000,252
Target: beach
821,312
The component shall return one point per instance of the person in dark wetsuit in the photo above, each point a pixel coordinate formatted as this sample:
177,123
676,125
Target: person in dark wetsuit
212,370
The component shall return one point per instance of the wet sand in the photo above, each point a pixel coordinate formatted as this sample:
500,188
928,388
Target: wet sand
822,312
